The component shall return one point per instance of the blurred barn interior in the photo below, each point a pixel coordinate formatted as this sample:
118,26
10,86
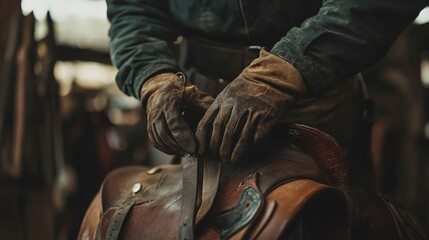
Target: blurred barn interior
64,124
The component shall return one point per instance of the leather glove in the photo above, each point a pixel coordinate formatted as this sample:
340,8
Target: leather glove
173,108
243,114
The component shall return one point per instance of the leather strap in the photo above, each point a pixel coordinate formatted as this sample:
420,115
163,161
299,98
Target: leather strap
211,177
190,191
118,218
200,184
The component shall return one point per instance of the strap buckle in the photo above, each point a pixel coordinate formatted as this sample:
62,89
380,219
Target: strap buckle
250,53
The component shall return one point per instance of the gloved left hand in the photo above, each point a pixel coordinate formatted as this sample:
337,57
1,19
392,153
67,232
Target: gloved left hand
243,114
173,108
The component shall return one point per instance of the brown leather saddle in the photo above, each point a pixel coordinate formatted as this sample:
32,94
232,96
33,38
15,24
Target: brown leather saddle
292,188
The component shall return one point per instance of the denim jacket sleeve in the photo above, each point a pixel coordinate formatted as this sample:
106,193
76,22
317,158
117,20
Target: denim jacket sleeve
141,41
345,37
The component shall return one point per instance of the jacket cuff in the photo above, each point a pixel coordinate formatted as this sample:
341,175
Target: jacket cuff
148,73
314,78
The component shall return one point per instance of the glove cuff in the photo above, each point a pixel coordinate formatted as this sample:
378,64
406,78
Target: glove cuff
155,82
278,73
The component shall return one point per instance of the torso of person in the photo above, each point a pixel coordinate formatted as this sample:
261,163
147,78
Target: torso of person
243,22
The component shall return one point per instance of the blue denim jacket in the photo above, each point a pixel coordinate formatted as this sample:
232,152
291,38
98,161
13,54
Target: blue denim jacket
326,40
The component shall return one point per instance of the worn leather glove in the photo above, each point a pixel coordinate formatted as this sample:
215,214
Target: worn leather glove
173,108
243,114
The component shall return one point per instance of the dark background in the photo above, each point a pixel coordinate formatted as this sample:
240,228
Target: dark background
64,124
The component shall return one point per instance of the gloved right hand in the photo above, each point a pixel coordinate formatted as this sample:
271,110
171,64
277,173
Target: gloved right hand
245,112
173,108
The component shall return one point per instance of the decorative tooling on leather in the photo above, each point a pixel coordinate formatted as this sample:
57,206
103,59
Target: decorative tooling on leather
234,219
322,147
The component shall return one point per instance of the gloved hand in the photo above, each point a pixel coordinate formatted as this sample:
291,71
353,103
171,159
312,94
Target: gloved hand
173,108
243,114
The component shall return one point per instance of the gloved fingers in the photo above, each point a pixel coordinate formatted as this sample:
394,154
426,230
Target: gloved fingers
198,97
205,102
167,137
180,129
192,114
263,129
232,133
156,140
205,126
219,123
150,135
244,143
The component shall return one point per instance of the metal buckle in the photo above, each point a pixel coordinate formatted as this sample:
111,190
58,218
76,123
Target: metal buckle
250,53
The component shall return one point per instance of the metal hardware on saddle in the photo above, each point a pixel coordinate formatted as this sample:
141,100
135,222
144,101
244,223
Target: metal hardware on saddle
154,170
121,212
189,197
